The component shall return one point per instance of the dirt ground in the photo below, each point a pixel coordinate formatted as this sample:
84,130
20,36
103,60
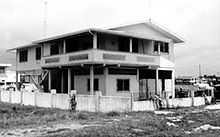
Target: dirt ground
25,121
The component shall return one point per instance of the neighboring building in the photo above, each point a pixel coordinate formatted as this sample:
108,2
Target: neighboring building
7,76
137,58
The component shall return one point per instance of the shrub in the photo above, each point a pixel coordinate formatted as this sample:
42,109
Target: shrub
113,113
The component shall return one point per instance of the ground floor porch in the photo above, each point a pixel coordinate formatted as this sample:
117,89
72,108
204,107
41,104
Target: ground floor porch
111,80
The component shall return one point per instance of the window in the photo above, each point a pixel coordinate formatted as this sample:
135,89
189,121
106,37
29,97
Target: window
156,46
135,45
123,85
162,46
123,44
23,55
2,70
38,53
54,49
96,84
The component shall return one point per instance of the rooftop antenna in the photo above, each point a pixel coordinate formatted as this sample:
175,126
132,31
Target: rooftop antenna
45,19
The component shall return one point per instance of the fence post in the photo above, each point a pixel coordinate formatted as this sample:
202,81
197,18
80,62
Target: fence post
52,93
21,97
10,97
132,97
35,98
192,96
98,95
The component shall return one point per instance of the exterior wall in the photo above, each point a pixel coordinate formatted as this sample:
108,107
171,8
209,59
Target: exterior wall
46,49
143,29
80,82
31,64
112,85
108,42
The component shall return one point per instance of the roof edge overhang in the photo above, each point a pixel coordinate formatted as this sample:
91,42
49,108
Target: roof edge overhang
176,39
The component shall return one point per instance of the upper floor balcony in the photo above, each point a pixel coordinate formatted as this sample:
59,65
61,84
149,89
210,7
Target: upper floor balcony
97,56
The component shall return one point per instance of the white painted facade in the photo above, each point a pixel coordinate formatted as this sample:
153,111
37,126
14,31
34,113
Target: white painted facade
105,52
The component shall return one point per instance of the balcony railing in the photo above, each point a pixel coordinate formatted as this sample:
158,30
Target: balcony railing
100,56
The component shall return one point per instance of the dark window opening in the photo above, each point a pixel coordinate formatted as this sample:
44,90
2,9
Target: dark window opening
165,74
38,53
79,43
123,84
2,70
23,56
123,44
96,84
166,47
162,46
135,45
54,49
122,71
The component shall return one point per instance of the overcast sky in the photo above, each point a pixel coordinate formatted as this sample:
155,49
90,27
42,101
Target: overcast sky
197,21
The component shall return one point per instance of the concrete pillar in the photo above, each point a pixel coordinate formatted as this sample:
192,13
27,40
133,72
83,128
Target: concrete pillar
138,77
159,48
106,79
62,81
130,45
95,41
64,46
49,80
69,80
173,84
92,80
156,81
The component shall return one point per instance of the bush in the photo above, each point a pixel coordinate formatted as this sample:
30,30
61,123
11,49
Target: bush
82,116
113,113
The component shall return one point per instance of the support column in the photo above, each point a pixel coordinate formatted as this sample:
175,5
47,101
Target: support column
138,77
106,79
16,80
92,80
95,41
62,81
159,45
173,83
156,81
69,80
49,80
130,45
64,46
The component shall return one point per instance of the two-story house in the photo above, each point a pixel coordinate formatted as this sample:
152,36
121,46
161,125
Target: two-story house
136,58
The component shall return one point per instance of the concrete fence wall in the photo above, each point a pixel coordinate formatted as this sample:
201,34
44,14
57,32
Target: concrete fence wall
186,102
94,103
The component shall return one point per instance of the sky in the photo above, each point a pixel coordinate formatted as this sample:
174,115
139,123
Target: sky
196,21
